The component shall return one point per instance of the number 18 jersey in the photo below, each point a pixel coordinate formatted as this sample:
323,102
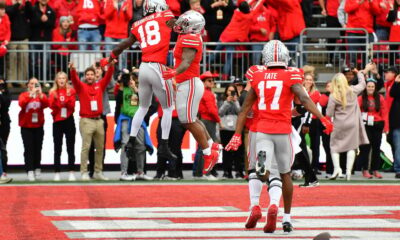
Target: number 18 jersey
154,36
274,98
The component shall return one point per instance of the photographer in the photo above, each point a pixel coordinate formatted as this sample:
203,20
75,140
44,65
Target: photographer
31,121
5,101
228,113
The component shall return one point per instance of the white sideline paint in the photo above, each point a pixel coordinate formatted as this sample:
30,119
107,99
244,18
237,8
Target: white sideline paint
344,234
207,212
165,224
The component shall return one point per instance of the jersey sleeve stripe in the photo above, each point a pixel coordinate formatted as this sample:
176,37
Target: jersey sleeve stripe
191,44
191,40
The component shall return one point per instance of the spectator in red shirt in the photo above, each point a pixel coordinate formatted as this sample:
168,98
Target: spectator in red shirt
89,19
19,12
31,121
394,17
374,114
218,14
117,14
360,15
67,8
329,9
5,33
62,104
236,31
382,26
91,124
63,33
262,29
290,21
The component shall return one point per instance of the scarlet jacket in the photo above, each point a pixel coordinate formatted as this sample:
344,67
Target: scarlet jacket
89,12
68,37
88,93
290,20
59,99
208,106
262,19
117,20
5,29
361,15
31,114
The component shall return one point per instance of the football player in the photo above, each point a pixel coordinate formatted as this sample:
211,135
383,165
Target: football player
153,33
188,54
273,89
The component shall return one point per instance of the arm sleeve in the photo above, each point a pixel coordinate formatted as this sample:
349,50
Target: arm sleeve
109,9
341,14
384,112
107,78
212,108
75,79
392,15
44,101
23,100
395,90
357,89
224,107
330,110
53,103
71,100
351,6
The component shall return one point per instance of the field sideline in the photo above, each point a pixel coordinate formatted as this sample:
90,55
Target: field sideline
192,210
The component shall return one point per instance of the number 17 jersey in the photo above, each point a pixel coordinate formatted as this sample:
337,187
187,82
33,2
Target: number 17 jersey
275,98
154,36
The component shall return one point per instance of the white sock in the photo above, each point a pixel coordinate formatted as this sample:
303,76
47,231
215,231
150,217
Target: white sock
286,217
137,120
166,122
255,188
210,142
275,194
207,151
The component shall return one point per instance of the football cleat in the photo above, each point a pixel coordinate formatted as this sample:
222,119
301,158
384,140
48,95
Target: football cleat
255,215
287,227
210,161
272,215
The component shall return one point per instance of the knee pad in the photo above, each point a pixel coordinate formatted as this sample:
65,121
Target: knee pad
253,176
274,182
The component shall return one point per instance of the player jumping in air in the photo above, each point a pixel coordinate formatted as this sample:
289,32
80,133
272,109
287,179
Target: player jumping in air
190,89
153,33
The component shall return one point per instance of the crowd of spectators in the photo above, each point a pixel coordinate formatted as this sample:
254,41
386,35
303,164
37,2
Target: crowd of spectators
227,21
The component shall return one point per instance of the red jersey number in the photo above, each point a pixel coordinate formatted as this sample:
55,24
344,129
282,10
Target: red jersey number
149,34
274,105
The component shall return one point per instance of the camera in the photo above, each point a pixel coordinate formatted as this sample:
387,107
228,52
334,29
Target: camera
233,93
37,85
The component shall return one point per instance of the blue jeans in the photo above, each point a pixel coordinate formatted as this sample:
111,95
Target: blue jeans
396,144
256,57
292,49
228,58
359,48
89,36
198,163
122,60
382,33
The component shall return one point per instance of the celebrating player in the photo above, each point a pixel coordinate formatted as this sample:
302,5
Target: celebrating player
153,32
273,89
190,89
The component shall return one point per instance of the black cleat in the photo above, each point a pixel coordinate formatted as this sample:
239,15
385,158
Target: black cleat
287,227
164,151
310,184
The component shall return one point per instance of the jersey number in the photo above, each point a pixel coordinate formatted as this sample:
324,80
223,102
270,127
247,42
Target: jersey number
88,4
275,101
150,34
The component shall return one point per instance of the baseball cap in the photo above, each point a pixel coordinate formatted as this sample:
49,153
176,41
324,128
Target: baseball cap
236,80
208,74
392,69
346,69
